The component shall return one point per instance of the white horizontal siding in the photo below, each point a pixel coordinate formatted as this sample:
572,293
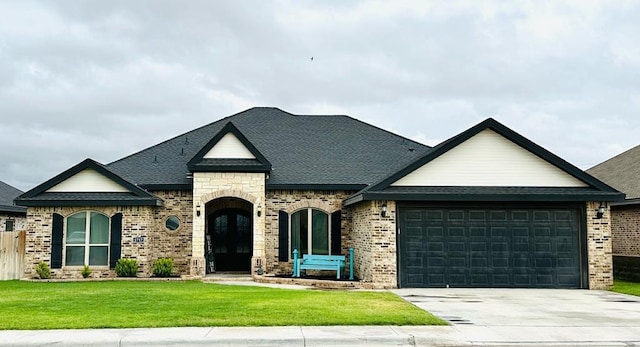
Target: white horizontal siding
229,147
489,159
86,181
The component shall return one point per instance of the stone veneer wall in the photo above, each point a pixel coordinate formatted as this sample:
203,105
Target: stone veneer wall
375,243
599,248
625,230
136,222
174,244
19,221
208,186
291,201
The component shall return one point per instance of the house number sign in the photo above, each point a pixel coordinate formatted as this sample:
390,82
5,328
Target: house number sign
138,239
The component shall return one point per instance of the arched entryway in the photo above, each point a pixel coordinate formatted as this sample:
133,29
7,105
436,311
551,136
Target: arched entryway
228,235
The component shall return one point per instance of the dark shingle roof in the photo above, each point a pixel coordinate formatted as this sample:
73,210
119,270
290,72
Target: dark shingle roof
303,150
621,172
7,194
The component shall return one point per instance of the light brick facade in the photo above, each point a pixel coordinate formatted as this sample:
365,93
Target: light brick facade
374,239
137,222
372,236
291,201
599,248
174,244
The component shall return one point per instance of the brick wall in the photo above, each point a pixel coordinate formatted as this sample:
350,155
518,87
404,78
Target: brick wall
599,248
175,244
136,222
625,230
291,201
374,239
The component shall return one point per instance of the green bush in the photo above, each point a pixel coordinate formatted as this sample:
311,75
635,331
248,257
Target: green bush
163,267
86,271
42,269
126,267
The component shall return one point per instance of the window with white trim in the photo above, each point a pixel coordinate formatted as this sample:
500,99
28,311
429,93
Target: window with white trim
87,239
310,232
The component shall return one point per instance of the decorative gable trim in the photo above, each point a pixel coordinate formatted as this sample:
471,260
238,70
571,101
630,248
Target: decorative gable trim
488,159
88,180
380,190
210,159
229,147
135,195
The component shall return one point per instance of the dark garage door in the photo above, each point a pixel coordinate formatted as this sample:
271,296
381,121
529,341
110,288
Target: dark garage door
490,247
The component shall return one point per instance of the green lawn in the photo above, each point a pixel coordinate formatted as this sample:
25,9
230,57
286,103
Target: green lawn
625,287
128,304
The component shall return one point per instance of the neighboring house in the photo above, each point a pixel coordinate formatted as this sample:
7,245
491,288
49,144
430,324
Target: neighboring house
12,217
486,208
623,173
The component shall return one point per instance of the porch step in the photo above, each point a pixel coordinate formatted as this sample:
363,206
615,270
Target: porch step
227,277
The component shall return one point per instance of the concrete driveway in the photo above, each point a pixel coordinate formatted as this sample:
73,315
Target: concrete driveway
530,315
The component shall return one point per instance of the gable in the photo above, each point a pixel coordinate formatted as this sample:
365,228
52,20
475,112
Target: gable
489,159
87,180
229,151
229,147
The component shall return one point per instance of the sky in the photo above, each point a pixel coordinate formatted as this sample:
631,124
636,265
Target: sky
105,79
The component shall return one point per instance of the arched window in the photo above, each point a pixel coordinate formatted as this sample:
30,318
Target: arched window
310,232
87,239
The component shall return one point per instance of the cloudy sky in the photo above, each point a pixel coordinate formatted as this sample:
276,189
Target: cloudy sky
104,79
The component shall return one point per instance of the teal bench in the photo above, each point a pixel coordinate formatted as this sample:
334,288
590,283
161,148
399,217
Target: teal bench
322,262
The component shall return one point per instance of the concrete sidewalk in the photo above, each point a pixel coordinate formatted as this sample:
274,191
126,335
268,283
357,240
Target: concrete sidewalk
457,335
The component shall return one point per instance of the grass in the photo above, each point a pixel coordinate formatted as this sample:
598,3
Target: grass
632,288
130,304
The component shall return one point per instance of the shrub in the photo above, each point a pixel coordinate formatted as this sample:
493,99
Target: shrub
42,269
163,267
86,271
126,267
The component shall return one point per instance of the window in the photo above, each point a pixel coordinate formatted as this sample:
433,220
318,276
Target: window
172,223
9,225
87,241
310,232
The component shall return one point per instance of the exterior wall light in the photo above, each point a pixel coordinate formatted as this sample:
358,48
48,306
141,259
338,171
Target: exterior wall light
259,208
600,211
198,210
383,212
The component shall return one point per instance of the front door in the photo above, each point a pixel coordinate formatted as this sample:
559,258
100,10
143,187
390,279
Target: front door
229,233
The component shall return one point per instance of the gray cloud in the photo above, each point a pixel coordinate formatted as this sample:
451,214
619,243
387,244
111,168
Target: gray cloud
106,79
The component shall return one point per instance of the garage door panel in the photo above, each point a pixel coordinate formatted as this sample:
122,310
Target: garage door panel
475,231
520,216
504,247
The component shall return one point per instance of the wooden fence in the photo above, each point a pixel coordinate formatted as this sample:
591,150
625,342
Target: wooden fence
12,247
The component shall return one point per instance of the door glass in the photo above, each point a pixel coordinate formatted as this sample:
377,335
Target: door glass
320,238
243,236
220,234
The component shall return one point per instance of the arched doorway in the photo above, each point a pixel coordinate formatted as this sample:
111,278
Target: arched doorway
229,235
